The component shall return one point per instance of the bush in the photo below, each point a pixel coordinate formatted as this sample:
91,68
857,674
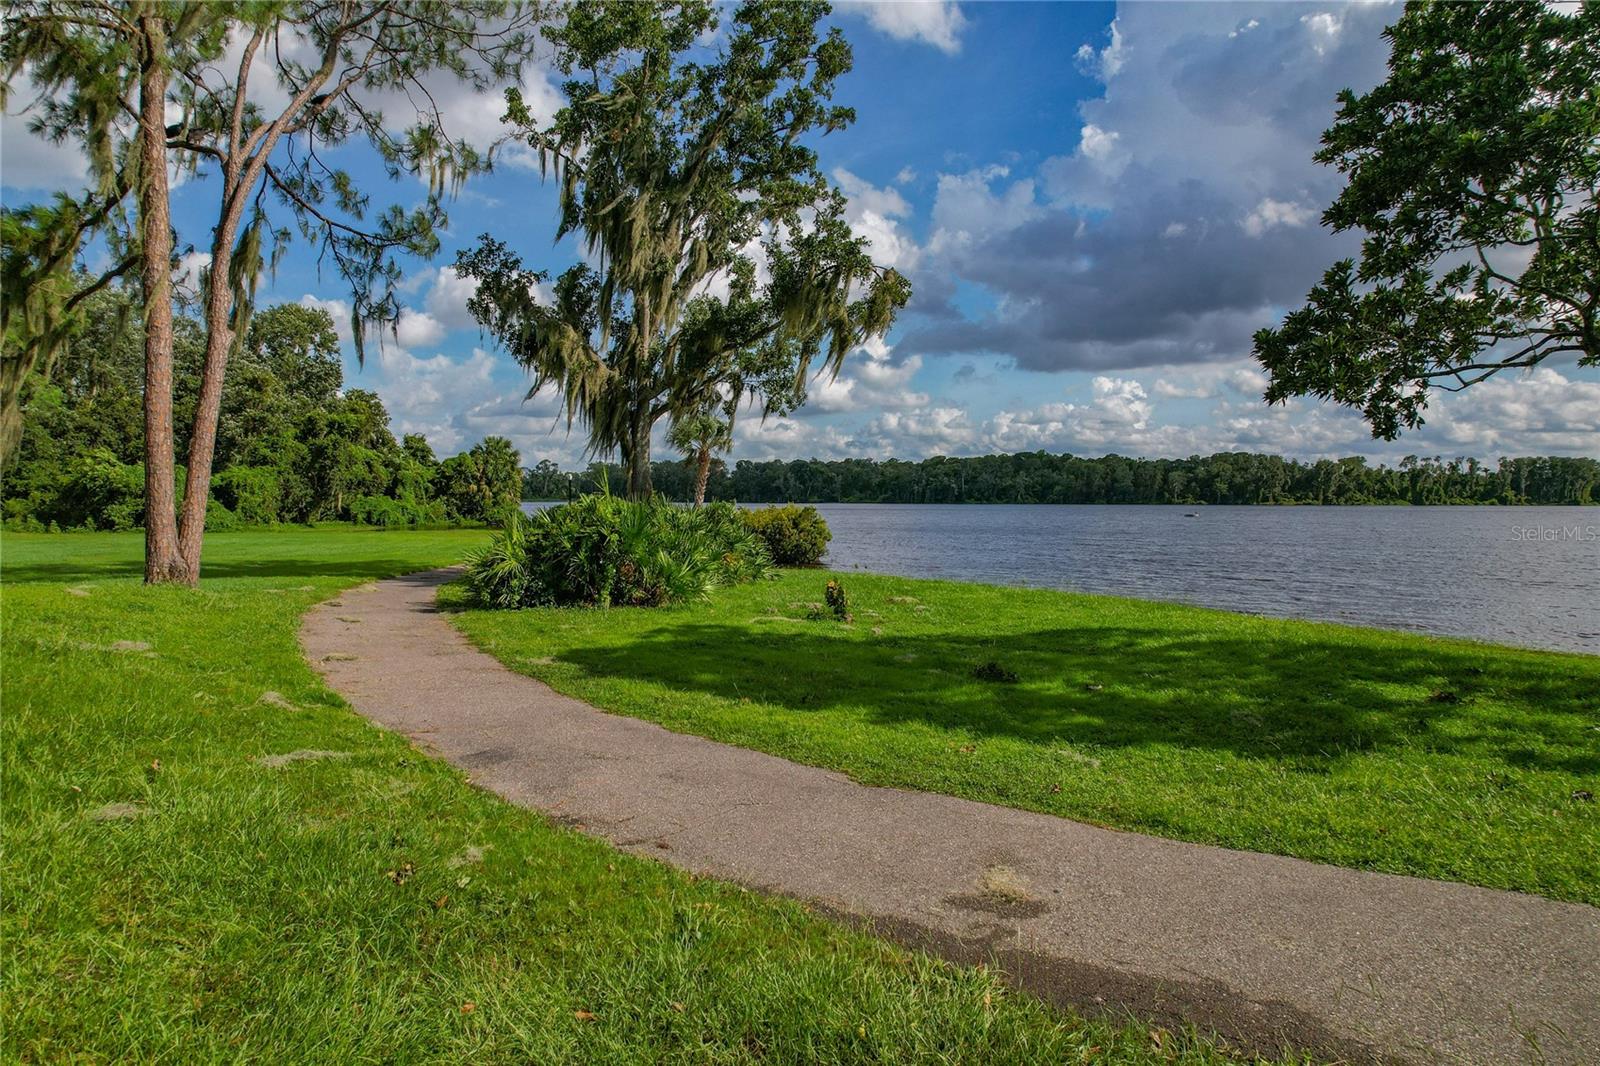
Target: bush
391,513
604,551
101,492
794,535
838,601
219,519
253,493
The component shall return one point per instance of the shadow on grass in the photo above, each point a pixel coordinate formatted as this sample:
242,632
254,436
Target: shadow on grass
1304,701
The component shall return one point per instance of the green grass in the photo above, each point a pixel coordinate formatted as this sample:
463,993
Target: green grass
375,907
1370,749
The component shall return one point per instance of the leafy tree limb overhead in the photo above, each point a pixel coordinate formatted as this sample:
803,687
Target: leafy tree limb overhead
1474,171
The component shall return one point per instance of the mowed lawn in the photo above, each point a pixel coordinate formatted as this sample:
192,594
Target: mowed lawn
170,896
1370,749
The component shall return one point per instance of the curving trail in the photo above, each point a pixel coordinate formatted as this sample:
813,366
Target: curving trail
1265,950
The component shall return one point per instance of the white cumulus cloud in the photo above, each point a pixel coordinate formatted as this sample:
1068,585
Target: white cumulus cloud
935,22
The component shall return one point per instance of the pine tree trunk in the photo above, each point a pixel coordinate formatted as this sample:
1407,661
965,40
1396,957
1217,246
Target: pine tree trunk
203,441
162,562
701,475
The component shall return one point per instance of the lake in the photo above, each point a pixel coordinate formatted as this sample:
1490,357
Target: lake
1512,575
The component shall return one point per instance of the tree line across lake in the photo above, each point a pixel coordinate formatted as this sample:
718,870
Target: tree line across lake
1041,477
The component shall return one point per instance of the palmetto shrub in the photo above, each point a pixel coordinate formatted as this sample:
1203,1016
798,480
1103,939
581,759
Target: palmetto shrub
605,551
794,535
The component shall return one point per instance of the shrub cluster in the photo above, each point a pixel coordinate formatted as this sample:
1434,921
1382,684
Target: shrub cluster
794,536
605,551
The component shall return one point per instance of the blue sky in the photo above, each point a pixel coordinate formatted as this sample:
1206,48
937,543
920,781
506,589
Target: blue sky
1097,205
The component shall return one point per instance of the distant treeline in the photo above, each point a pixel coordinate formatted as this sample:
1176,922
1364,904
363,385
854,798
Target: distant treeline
1040,477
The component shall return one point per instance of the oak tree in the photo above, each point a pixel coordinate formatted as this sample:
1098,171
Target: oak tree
1474,174
679,164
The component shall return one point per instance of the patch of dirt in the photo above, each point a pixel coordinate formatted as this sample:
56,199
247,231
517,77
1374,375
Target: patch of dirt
276,699
116,812
77,590
116,645
1001,891
471,855
302,755
1078,757
487,757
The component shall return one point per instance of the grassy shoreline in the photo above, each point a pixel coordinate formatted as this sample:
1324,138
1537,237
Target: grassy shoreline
1364,748
169,895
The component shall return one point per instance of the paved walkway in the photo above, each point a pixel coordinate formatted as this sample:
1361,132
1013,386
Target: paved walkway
1263,949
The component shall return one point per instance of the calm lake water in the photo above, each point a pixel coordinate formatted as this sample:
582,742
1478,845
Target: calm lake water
1513,575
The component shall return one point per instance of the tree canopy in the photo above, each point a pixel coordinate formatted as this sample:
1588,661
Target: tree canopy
680,165
293,443
1474,173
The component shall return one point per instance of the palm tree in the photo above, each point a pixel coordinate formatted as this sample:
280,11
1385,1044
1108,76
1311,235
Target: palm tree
697,435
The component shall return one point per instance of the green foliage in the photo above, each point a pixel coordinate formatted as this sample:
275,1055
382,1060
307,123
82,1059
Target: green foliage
1473,172
483,484
101,492
253,493
838,601
671,161
794,536
1225,478
219,518
292,445
604,551
391,513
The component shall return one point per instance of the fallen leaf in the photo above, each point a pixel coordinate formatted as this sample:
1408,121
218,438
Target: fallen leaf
583,1015
678,1007
468,1007
439,903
